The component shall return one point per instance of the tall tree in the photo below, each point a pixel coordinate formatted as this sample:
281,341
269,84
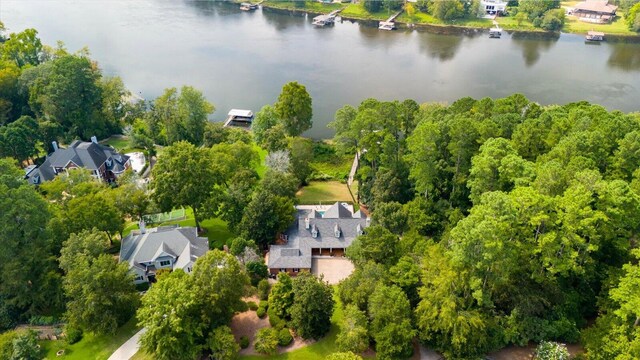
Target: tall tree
354,333
312,306
184,176
23,48
293,108
391,327
265,216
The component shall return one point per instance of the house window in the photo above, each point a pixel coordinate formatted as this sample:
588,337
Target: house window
282,270
188,269
165,263
295,270
138,278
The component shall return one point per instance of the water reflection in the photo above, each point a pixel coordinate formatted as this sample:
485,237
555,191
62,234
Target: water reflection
213,8
533,45
625,57
441,47
283,20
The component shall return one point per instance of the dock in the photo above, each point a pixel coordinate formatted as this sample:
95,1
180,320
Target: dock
239,118
594,36
389,24
327,19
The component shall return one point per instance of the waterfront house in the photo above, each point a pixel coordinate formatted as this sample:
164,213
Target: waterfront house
595,11
493,7
168,247
316,233
104,162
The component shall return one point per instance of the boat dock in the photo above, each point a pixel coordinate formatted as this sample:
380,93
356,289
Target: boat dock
594,36
239,118
327,19
496,31
389,24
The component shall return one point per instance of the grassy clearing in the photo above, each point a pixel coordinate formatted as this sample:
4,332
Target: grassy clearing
324,192
122,144
91,346
313,6
356,11
618,27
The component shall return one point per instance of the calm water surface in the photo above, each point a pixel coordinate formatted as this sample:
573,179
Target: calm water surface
241,60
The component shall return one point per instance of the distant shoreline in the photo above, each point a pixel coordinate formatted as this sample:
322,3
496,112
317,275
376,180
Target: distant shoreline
446,29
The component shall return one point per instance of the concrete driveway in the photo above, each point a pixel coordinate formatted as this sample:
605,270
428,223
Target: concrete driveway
334,269
129,348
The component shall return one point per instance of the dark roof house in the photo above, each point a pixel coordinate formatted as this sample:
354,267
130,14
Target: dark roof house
316,233
169,247
103,161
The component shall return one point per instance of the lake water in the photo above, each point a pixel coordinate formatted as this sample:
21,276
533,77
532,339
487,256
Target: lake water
241,60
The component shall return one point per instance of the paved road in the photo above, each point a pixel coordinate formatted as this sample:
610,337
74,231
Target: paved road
129,348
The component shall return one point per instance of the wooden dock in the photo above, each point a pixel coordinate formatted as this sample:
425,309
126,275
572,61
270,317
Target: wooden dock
328,19
389,24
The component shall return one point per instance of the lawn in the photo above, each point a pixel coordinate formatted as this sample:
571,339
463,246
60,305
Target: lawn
91,346
121,143
356,11
313,6
324,192
617,27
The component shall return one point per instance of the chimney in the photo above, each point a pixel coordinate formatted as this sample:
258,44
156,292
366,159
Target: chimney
94,139
55,145
306,223
143,228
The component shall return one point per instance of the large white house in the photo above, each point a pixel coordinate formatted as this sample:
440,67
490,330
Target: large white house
493,7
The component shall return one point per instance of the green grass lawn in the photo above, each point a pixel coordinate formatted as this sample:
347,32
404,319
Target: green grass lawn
122,144
313,6
617,27
356,11
91,346
324,192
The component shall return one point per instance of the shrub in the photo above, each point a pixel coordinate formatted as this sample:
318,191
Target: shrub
244,342
264,304
242,307
284,337
73,334
263,289
548,350
42,320
261,312
267,341
252,306
275,320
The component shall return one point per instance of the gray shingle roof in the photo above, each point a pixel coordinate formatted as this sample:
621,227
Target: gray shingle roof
87,155
183,244
297,252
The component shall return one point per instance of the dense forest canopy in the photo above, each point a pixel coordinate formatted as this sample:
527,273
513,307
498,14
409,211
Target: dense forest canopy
503,221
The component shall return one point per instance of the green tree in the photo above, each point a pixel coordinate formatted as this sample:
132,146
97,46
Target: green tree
354,334
170,311
391,327
20,139
264,120
358,287
447,9
312,306
343,356
274,138
267,341
236,197
102,296
281,296
87,244
257,271
184,176
301,151
222,344
391,216
25,346
93,210
632,18
194,110
23,48
69,94
377,244
293,108
372,6
219,283
265,216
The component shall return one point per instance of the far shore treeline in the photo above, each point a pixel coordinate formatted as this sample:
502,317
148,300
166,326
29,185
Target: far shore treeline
494,222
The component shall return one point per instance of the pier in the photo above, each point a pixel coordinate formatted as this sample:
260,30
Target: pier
389,24
328,19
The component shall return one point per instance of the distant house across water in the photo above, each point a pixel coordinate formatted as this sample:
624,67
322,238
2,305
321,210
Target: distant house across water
595,11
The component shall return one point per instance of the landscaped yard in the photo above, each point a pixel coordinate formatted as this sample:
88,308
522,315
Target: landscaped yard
91,346
121,143
618,27
325,192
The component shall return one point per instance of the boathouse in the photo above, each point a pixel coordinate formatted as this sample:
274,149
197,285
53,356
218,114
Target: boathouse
595,11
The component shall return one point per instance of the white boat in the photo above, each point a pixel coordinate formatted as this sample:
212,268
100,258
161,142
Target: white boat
387,25
248,6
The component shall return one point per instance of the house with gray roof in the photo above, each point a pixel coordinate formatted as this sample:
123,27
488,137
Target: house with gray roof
168,247
104,162
316,233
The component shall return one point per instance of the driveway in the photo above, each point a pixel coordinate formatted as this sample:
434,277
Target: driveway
334,269
129,348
